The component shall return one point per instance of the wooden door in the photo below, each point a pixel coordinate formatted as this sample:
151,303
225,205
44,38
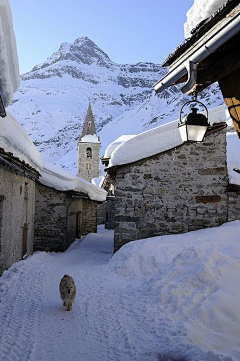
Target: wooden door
78,224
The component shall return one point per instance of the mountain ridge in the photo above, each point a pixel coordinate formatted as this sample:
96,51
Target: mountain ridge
52,100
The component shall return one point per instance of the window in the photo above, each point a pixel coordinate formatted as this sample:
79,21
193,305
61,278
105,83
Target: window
88,166
89,153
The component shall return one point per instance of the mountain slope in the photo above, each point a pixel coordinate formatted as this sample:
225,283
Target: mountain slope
53,97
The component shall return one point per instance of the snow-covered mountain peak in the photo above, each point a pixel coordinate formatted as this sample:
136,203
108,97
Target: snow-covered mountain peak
64,47
88,52
53,98
81,51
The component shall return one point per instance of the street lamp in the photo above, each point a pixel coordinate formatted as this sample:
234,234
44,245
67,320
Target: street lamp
193,126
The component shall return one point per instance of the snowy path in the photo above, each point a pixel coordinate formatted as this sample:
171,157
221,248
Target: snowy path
34,324
114,318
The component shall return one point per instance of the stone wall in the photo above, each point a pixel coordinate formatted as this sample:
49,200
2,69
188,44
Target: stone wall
101,213
17,205
88,168
55,219
180,190
89,217
233,203
110,212
61,218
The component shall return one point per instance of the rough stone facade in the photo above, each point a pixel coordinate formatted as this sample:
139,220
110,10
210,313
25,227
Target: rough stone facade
101,213
89,217
88,151
180,190
233,203
88,168
17,205
110,212
60,218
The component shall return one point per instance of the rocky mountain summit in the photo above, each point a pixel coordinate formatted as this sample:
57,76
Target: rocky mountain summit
53,98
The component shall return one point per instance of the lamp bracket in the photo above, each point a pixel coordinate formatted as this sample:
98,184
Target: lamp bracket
192,101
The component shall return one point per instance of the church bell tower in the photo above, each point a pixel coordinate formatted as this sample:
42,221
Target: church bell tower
88,149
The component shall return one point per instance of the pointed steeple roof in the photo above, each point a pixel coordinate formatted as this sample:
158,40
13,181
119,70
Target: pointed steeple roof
89,125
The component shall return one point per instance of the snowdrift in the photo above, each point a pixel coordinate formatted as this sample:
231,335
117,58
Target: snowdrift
190,278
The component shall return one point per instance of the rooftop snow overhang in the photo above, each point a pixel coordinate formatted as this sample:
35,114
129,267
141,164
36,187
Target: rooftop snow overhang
185,67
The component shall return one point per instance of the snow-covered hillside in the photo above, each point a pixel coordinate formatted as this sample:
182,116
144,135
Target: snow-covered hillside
53,98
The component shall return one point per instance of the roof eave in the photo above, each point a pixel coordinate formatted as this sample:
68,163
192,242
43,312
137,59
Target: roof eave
207,45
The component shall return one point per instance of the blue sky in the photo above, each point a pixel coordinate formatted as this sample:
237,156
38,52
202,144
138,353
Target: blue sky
129,31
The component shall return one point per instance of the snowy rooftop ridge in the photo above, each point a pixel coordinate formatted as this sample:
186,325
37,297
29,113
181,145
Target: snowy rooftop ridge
62,180
13,139
9,67
155,141
201,10
112,146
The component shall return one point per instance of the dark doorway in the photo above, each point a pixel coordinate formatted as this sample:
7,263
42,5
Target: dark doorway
1,217
24,240
78,224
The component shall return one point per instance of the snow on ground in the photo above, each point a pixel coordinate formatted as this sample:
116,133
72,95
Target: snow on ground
173,297
201,10
9,67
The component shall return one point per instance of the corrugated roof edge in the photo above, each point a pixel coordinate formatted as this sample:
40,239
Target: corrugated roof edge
201,29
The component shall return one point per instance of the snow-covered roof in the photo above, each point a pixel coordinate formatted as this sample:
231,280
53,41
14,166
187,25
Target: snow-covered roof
90,138
9,67
112,146
156,140
62,180
13,139
200,10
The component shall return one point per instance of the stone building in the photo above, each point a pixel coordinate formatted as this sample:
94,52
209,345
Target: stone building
88,149
66,209
168,186
20,163
17,204
110,211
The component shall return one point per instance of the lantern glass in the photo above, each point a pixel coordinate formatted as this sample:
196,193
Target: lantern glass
196,132
183,132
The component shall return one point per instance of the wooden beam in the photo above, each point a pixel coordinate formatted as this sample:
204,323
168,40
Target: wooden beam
230,87
218,69
217,65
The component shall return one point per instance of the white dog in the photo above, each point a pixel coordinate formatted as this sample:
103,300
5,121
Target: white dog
67,291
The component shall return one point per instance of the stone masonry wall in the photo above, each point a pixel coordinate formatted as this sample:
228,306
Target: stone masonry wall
88,168
55,219
180,190
233,203
110,212
89,217
101,213
17,205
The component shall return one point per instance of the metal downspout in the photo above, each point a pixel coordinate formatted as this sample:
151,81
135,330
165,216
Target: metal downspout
192,76
210,46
